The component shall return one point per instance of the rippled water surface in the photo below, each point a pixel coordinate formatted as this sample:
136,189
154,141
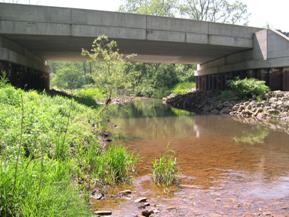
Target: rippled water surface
226,168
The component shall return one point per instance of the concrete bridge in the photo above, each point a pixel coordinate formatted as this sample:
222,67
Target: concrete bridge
30,35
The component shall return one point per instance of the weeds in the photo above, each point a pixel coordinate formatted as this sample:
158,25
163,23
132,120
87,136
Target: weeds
249,87
46,145
115,166
165,170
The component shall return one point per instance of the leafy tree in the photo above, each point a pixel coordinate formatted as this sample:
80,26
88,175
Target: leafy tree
109,72
150,7
223,11
69,75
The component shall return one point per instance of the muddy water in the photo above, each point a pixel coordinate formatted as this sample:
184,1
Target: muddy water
226,168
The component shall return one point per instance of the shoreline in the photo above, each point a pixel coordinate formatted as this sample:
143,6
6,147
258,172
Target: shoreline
271,111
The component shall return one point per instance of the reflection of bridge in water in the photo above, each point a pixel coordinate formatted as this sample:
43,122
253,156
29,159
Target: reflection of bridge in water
30,35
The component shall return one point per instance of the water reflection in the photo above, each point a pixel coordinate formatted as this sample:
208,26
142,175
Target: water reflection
220,157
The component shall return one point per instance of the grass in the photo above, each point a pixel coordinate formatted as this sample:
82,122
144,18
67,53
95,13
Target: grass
115,166
183,88
47,145
165,170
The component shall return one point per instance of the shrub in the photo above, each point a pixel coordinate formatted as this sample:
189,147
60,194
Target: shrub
165,170
183,88
115,166
249,87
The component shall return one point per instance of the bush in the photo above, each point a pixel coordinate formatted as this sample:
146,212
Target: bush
183,88
115,166
165,170
249,87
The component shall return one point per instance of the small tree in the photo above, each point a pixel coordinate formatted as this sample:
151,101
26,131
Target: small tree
109,71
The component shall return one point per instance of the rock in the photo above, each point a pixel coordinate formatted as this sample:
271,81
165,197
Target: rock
103,213
147,213
144,205
141,200
97,195
124,193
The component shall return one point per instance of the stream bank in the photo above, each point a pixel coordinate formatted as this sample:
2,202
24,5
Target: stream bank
272,110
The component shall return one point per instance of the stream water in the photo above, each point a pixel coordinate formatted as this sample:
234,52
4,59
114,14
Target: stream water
226,168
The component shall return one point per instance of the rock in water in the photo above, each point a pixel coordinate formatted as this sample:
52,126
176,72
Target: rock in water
103,213
141,200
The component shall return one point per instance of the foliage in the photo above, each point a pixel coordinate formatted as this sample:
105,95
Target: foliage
183,88
165,170
110,74
249,87
115,165
47,144
156,80
68,75
151,7
223,11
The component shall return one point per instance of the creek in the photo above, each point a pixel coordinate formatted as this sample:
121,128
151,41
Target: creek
226,168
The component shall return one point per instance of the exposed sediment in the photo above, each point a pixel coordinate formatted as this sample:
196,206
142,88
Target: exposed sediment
272,110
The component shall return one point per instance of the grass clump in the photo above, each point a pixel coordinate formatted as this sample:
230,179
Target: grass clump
116,165
165,170
249,87
183,88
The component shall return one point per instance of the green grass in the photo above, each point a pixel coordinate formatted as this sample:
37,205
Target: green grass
47,146
165,170
115,166
249,87
183,88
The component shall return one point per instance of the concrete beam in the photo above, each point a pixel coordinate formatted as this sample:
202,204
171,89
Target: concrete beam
69,30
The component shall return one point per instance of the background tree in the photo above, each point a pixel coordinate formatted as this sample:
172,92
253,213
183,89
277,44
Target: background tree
70,75
222,11
150,7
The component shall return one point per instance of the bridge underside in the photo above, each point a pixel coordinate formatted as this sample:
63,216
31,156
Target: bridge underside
69,48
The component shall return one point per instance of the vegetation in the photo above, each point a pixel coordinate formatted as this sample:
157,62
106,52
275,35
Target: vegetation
165,170
183,88
115,165
249,87
48,145
223,11
70,75
110,73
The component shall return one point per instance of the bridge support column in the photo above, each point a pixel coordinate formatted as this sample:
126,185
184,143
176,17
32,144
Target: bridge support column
21,67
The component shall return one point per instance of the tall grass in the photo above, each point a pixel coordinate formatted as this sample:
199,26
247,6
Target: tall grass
115,166
165,170
47,144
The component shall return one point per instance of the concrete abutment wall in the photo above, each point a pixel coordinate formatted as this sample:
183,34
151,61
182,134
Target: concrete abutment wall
276,79
22,68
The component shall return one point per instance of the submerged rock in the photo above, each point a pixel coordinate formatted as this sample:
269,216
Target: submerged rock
103,213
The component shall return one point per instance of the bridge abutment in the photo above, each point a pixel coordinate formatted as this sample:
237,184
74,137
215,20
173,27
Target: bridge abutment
22,68
267,61
276,79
